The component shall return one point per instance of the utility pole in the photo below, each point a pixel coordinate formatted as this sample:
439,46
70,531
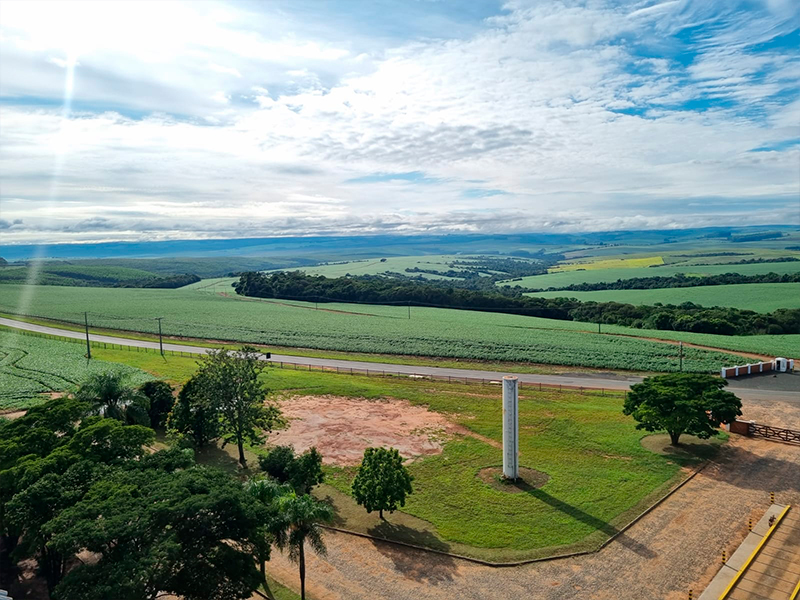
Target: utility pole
680,350
160,343
409,309
88,346
598,327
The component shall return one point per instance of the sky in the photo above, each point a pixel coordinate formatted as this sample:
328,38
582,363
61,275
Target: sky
167,120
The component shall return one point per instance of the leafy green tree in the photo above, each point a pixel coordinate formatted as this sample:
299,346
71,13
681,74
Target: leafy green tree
382,482
302,471
267,492
682,403
229,381
301,517
189,533
159,393
108,394
192,417
37,483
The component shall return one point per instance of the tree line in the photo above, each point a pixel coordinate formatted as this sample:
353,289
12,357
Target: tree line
690,317
83,473
678,280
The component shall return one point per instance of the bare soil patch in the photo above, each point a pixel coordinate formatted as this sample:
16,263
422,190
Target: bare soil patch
342,428
529,479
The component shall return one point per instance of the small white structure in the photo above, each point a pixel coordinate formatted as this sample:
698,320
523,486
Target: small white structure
510,427
783,364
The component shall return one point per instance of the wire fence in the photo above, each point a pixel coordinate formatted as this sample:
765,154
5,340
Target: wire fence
363,371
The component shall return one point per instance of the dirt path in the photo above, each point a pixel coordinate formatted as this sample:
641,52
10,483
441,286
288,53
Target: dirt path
752,355
675,548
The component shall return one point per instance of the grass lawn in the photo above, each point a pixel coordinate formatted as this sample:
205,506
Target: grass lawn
600,475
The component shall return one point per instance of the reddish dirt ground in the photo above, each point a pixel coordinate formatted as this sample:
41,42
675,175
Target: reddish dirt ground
342,428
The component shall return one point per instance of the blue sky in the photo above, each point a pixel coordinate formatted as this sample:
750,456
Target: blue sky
142,120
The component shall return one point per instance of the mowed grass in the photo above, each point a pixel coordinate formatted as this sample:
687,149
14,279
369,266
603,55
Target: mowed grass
600,475
760,297
608,263
357,328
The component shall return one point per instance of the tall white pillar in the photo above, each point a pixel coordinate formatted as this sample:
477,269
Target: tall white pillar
510,427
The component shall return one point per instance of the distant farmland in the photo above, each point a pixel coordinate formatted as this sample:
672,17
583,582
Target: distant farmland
383,329
607,275
760,297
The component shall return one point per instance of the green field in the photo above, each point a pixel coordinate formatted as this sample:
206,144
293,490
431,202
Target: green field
32,366
566,278
600,475
760,297
398,264
72,274
378,329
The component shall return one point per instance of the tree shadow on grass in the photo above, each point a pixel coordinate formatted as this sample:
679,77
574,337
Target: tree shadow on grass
214,456
584,517
421,566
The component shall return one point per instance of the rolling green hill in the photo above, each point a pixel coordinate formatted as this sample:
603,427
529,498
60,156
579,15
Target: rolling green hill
381,329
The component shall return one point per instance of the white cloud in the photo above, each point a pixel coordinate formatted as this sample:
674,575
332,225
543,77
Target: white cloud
204,119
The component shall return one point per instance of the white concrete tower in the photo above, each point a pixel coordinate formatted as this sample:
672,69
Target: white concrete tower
510,427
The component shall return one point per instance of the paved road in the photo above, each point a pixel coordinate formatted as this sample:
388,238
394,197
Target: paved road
585,381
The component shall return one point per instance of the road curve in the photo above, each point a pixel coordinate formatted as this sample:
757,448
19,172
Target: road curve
575,381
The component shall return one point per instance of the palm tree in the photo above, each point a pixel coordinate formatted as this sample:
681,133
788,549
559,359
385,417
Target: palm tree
267,492
109,396
301,518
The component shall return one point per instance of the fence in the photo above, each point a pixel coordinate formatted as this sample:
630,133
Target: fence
774,433
298,366
753,429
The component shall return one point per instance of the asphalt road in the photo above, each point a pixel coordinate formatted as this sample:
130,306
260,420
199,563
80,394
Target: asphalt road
745,389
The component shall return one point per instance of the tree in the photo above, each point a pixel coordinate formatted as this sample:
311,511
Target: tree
267,492
109,396
302,471
682,403
189,533
229,381
382,482
37,486
193,417
301,517
159,393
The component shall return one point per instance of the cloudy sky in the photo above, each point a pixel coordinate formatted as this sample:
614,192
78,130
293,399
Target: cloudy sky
161,120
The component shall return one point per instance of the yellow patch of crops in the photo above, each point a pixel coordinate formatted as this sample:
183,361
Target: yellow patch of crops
613,263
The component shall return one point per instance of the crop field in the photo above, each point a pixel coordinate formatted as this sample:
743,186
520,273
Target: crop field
612,263
31,366
398,264
600,475
760,297
71,274
605,275
365,328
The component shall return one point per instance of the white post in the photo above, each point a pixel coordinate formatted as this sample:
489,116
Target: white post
510,427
